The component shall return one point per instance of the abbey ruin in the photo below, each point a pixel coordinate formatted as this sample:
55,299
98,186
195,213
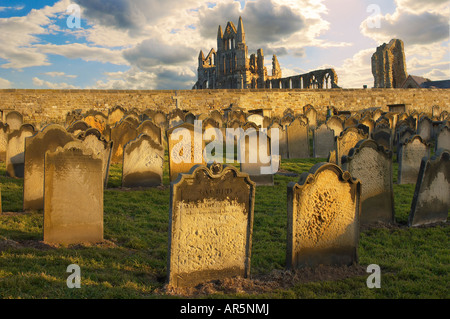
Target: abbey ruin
230,67
389,65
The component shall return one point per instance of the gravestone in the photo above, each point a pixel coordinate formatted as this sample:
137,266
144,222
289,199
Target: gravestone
93,139
96,120
143,162
149,128
282,139
77,127
121,134
382,135
336,125
185,146
210,225
15,151
115,115
323,141
49,139
323,218
175,118
255,156
73,203
443,139
287,119
346,141
371,164
216,116
189,118
298,139
410,156
14,120
425,128
133,119
311,114
431,201
257,119
159,119
4,131
369,123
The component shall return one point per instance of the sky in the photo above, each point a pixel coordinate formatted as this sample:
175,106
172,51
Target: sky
154,44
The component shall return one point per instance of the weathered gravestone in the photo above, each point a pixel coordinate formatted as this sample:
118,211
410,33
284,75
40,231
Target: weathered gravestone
175,118
121,134
335,123
93,139
4,131
73,203
115,115
410,156
257,119
443,138
311,114
282,139
210,225
323,218
143,162
14,119
15,151
425,128
97,120
149,128
347,140
323,141
255,156
49,139
383,136
185,145
371,164
431,201
77,127
298,138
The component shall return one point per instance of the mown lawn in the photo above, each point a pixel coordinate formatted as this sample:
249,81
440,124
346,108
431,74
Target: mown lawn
131,263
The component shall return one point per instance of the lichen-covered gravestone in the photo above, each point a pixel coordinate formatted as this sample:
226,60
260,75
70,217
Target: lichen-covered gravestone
335,123
186,145
122,132
49,139
15,151
431,201
371,163
73,204
94,140
210,225
298,138
149,128
347,140
443,138
14,119
4,131
323,218
323,141
143,162
410,156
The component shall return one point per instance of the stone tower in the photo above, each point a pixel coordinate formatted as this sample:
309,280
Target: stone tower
230,67
388,65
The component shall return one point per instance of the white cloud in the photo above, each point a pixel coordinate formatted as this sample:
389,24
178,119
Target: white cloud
5,84
60,74
56,86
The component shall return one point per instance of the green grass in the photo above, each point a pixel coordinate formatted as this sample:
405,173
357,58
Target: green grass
132,262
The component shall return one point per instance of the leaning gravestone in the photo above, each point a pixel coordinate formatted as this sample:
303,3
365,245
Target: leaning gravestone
93,139
14,119
431,201
4,131
347,140
323,141
255,156
298,139
49,139
443,138
73,203
323,218
210,225
371,163
121,134
143,162
15,151
410,156
185,145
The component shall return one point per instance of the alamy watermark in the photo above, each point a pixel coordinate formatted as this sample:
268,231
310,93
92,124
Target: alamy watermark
74,280
74,19
374,20
258,146
374,280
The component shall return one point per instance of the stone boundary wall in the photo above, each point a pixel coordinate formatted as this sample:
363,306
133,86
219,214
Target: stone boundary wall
46,106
